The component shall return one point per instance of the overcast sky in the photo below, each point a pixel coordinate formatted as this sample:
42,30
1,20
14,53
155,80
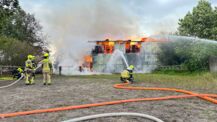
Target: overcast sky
153,15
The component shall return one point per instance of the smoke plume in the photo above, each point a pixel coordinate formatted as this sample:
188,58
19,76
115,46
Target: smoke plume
71,27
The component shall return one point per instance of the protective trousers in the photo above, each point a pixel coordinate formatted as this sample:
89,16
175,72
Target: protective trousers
46,78
29,77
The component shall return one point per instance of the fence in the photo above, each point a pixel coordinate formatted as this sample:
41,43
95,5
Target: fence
173,67
7,69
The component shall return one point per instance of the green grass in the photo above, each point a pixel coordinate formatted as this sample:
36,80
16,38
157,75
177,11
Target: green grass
201,81
174,72
6,78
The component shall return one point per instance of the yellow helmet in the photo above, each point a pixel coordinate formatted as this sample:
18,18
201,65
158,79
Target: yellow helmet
131,67
46,55
20,69
29,57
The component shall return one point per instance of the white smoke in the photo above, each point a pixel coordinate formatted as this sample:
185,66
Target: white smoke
70,28
72,23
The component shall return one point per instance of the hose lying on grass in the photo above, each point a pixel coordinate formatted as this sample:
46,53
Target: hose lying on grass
91,117
190,94
13,83
206,97
6,86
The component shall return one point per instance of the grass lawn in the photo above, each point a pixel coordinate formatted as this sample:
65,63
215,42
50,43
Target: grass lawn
198,80
6,78
185,80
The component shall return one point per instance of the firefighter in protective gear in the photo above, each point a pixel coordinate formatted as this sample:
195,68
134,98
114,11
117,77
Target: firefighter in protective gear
46,69
18,73
29,69
127,75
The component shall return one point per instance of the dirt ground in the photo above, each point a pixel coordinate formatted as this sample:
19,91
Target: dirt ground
67,91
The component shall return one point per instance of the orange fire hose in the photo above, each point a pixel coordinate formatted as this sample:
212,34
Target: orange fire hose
207,97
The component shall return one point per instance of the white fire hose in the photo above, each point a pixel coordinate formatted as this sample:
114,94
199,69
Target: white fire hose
22,76
85,118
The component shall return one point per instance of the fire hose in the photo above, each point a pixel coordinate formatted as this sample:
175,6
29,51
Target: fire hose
189,94
6,86
13,83
91,117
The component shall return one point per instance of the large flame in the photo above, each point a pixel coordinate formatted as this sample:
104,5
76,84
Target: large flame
88,63
107,46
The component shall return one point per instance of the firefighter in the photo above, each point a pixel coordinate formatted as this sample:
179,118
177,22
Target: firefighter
18,73
127,75
29,69
46,69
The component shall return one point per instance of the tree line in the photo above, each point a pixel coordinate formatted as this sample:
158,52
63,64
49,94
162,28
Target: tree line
20,34
201,22
191,51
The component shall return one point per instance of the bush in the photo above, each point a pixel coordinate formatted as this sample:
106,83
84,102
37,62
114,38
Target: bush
14,52
193,54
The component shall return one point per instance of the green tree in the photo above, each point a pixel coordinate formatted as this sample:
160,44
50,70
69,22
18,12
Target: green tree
8,8
214,29
16,23
19,34
14,52
200,22
192,54
199,56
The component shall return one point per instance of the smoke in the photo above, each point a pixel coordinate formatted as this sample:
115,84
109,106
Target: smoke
71,27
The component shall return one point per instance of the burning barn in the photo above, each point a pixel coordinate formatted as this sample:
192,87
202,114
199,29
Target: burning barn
114,55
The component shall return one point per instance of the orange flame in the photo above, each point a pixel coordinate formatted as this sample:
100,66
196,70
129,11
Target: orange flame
88,59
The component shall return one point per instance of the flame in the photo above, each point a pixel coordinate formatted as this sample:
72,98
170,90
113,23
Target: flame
139,45
144,39
132,43
107,45
127,46
111,43
88,63
134,38
88,58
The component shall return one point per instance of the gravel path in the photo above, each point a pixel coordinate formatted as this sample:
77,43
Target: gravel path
67,91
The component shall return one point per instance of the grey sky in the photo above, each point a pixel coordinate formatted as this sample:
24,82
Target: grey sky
152,13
